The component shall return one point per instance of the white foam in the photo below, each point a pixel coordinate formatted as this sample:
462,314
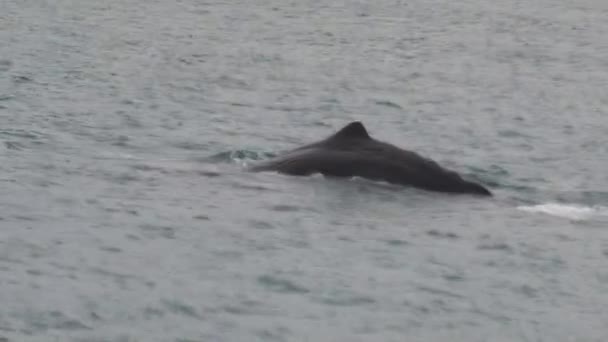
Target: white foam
570,211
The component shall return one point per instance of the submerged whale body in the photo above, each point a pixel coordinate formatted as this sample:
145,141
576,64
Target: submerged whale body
352,152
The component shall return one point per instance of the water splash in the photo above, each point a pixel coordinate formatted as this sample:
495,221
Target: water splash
576,212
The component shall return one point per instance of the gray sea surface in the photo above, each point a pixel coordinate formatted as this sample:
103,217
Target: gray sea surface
126,212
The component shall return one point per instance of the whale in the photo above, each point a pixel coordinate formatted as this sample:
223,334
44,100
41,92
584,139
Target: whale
352,152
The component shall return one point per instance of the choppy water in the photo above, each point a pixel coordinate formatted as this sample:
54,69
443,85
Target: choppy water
126,215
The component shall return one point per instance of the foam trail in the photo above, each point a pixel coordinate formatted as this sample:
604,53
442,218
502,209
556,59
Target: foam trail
570,211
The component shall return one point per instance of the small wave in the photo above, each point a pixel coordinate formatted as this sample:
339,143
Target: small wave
571,211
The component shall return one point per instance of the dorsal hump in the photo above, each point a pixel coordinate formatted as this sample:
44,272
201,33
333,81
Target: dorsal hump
354,130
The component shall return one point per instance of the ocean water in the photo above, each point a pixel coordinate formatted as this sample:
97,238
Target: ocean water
126,213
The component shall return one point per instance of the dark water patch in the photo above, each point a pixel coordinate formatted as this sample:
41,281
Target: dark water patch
144,167
590,198
8,180
499,246
251,186
191,146
13,145
319,123
209,174
527,291
180,308
262,245
131,121
453,277
345,237
326,108
440,292
122,178
387,103
511,133
43,321
63,267
162,231
133,237
245,307
287,208
232,82
257,224
131,102
602,277
45,183
106,338
236,310
34,272
281,285
397,242
443,235
418,308
343,299
110,249
24,218
495,316
565,237
540,160
594,197
267,57
201,217
120,278
238,104
288,109
5,65
18,79
151,313
121,141
72,325
122,209
274,334
27,135
531,180
95,316
228,254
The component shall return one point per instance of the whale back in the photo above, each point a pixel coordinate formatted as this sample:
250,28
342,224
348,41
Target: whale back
353,152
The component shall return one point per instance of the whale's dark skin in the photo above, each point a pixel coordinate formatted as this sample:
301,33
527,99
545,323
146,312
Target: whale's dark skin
351,152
